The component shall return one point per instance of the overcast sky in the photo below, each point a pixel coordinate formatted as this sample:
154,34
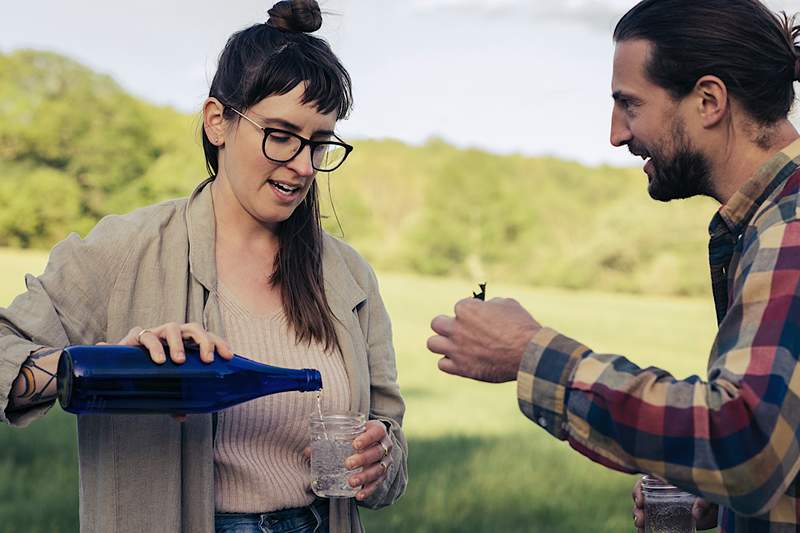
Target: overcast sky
529,76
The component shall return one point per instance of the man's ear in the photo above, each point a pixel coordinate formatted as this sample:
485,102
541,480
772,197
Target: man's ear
213,121
711,95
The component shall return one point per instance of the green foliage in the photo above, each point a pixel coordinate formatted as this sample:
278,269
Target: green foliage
74,147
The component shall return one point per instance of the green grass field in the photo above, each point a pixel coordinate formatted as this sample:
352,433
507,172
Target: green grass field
476,463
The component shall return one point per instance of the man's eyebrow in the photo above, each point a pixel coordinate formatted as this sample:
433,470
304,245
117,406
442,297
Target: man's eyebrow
620,96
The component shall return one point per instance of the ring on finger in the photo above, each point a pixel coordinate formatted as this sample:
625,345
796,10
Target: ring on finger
385,449
139,336
385,466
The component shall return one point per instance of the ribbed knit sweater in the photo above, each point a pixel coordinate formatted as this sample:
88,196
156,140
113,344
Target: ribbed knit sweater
258,450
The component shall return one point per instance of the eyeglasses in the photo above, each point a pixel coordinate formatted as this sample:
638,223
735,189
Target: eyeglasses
281,146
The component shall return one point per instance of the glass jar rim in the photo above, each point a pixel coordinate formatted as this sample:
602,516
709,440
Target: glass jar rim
339,416
652,483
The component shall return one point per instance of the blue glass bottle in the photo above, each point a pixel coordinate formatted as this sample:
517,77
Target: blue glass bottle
124,380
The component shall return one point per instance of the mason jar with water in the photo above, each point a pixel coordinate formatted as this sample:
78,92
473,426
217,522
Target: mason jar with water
667,509
332,435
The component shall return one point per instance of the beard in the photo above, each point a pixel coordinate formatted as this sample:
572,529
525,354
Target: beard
684,173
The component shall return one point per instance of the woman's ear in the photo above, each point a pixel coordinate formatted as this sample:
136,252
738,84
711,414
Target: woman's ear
213,121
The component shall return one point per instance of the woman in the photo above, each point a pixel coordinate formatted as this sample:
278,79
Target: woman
242,265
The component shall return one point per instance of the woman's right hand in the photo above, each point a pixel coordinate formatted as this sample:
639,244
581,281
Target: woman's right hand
174,335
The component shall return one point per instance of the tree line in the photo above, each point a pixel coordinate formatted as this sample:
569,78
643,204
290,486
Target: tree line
74,146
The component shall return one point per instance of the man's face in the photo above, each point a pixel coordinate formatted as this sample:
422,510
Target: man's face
650,122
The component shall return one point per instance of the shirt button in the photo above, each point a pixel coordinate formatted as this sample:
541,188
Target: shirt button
542,422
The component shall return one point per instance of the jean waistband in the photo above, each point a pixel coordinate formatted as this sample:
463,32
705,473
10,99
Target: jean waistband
320,505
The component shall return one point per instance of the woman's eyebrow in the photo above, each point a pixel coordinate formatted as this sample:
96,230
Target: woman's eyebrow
285,124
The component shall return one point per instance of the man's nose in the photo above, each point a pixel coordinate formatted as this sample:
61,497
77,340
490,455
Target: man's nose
620,132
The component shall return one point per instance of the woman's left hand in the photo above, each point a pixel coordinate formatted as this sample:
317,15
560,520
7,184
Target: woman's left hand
373,453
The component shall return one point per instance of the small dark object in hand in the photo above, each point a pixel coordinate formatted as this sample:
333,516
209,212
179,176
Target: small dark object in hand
480,295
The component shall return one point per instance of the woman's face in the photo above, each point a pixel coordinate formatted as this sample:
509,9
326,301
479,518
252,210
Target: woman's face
266,190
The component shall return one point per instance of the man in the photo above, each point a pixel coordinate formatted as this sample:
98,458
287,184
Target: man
702,90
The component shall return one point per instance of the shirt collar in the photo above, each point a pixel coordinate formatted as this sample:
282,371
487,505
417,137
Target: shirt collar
202,228
739,210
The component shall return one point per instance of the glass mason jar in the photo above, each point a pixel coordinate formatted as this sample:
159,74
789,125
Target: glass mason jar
667,509
332,435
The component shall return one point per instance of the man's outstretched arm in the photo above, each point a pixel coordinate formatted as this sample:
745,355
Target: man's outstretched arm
729,438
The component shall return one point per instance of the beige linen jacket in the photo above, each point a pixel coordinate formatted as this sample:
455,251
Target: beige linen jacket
157,265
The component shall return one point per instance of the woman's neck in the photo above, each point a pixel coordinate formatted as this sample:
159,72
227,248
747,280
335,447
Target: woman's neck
236,227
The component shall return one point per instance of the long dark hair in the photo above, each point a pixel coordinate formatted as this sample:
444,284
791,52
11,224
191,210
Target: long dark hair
272,59
751,49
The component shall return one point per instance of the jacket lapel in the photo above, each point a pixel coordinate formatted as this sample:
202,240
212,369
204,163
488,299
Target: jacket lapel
344,295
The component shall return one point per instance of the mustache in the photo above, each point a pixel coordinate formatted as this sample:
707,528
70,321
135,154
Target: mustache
638,150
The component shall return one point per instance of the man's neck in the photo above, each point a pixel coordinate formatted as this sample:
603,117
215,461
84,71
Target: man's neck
743,158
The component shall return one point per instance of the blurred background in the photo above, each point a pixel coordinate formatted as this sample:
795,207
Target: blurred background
481,131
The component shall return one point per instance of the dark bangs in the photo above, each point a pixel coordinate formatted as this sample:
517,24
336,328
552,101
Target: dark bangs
308,61
266,61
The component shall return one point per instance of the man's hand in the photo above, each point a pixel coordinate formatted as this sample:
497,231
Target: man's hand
704,513
485,340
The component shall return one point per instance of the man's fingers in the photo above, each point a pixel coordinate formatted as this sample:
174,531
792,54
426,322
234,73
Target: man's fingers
443,325
638,518
637,496
441,345
449,367
463,305
701,505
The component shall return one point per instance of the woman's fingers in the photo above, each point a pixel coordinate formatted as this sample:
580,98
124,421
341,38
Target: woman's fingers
371,478
375,431
372,445
223,348
367,457
201,337
374,448
171,332
173,336
150,340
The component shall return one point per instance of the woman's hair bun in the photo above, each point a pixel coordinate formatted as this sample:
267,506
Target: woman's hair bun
301,16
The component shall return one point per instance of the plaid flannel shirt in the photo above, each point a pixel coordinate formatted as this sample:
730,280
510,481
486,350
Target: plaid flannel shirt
732,438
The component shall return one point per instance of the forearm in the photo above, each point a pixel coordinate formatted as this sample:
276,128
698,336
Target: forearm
36,382
716,438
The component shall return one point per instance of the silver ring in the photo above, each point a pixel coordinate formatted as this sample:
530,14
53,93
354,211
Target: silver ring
385,449
139,336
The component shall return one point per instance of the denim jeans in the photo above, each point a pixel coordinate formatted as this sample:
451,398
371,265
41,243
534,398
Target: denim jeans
311,519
